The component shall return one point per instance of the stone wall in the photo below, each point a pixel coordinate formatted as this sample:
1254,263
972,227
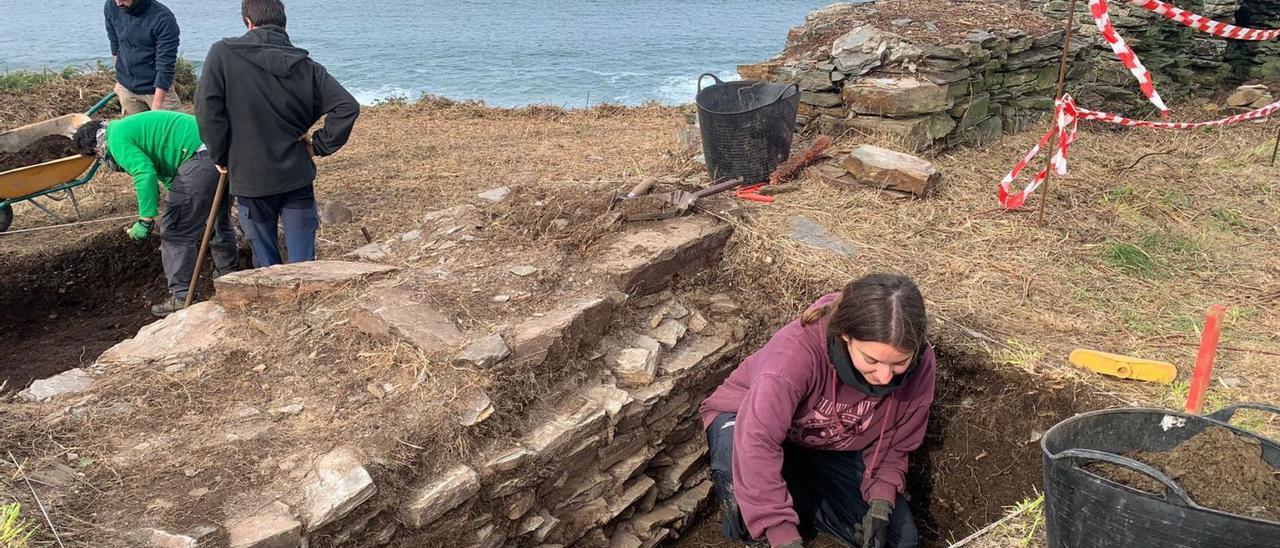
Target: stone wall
859,73
1183,62
1253,60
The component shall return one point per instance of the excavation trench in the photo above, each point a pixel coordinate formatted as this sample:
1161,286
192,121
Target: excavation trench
60,311
978,458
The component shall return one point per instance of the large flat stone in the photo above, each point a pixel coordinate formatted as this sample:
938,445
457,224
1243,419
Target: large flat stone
272,527
884,168
810,232
645,261
563,329
68,382
905,96
184,333
338,484
400,312
444,493
287,282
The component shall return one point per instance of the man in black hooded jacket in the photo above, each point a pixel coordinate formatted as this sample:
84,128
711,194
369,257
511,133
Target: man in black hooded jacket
256,102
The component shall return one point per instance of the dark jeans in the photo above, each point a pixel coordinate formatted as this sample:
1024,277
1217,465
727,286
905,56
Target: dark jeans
260,218
182,225
824,486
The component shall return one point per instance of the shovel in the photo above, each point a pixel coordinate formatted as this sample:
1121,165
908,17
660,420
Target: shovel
682,201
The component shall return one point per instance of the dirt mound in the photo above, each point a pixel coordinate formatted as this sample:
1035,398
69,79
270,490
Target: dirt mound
1219,469
44,149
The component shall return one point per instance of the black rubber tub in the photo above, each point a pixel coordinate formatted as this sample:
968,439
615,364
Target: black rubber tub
1084,510
746,126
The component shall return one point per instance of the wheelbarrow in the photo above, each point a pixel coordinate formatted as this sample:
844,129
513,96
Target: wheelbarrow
56,179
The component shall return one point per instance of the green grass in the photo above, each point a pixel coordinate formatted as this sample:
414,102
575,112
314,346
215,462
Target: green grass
1020,355
1179,390
1155,255
1174,198
25,80
15,532
1229,219
1118,195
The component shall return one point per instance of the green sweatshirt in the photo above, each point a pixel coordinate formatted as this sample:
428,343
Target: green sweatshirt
150,146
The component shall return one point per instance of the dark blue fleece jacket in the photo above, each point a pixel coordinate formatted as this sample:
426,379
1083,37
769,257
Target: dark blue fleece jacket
145,43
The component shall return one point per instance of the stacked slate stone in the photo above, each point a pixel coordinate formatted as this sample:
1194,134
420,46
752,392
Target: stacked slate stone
1183,62
873,81
1254,60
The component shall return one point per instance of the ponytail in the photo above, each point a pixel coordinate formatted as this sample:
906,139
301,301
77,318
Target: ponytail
812,315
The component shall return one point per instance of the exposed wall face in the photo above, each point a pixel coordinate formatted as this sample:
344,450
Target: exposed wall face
859,73
915,72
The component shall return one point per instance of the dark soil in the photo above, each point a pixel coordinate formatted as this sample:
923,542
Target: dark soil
1218,468
45,149
60,311
978,458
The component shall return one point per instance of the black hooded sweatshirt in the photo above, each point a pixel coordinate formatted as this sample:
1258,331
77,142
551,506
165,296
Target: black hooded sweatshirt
257,94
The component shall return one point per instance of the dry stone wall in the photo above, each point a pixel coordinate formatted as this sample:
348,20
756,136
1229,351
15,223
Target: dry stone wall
859,70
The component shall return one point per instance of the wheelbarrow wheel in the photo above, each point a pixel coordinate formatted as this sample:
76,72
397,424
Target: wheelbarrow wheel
6,217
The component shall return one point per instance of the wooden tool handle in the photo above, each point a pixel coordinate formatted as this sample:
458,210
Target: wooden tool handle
642,187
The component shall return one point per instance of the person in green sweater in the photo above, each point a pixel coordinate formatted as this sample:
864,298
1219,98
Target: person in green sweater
162,149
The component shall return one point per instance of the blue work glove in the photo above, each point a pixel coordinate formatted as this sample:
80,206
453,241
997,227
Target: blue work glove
873,532
140,229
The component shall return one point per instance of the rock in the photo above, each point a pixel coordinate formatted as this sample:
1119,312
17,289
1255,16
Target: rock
443,493
157,538
507,460
1245,96
883,168
336,486
464,212
197,492
895,96
634,366
1263,101
860,50
175,368
484,353
822,99
272,527
374,252
400,312
502,298
290,282
187,332
68,382
523,270
669,332
809,232
670,478
911,132
332,212
901,22
565,328
288,410
495,195
475,407
694,356
645,260
698,323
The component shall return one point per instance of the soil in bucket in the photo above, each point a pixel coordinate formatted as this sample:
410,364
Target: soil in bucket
45,149
1217,468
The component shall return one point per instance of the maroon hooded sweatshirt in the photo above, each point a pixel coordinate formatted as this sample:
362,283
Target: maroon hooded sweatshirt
788,391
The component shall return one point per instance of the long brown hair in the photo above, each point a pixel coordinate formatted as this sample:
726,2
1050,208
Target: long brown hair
883,308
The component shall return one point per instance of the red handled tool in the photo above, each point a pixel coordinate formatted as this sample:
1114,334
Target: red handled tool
753,194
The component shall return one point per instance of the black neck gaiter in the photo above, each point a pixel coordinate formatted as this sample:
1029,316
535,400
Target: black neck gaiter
838,351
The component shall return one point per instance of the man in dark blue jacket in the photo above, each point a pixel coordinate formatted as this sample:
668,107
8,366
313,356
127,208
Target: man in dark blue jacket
144,46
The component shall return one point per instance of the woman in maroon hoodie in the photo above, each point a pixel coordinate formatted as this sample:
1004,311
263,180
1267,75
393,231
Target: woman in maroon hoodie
811,433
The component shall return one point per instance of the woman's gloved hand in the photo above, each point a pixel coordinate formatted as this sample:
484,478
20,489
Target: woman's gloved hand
874,528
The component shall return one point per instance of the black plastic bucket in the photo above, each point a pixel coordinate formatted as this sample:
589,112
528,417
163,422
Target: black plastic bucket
747,127
1084,510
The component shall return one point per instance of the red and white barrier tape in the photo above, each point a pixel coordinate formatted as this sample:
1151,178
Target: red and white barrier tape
1098,9
1068,116
1204,24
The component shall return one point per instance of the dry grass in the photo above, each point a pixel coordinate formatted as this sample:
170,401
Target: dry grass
1199,220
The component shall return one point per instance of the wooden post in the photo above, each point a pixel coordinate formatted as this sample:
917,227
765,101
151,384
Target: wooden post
204,242
1062,82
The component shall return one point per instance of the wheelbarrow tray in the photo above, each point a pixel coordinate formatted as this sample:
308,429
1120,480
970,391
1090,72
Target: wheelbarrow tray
24,182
